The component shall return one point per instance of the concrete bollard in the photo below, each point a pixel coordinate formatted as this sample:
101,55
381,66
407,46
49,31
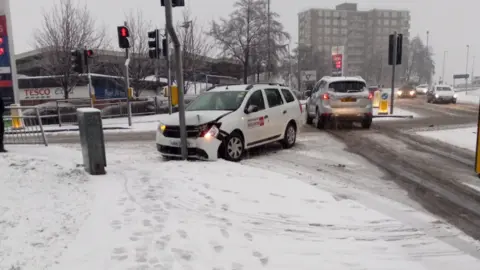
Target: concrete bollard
91,138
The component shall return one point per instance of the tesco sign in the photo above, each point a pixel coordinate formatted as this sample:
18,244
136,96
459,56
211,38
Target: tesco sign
52,93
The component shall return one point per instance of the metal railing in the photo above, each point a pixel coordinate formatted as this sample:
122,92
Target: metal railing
23,126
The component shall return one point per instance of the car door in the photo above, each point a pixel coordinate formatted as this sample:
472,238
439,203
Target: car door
292,106
256,123
276,111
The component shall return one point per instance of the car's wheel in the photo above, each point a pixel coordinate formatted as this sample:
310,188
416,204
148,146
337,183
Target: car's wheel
308,118
319,120
290,136
234,147
367,123
454,101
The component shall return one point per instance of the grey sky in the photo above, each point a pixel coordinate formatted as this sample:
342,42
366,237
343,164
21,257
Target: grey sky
449,22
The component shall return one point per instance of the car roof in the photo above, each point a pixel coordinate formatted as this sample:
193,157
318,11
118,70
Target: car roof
244,87
343,78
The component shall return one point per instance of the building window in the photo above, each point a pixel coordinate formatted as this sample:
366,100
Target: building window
327,13
405,14
343,31
320,13
328,40
344,22
335,22
327,22
394,23
328,31
336,14
379,22
386,14
394,14
335,31
386,22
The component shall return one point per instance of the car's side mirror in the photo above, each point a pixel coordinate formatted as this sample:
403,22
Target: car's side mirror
308,93
251,109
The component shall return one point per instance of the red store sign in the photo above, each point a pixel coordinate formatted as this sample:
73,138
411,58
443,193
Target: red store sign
37,93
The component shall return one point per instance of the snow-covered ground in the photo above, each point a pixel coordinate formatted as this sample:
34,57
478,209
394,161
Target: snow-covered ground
461,137
468,96
150,214
397,113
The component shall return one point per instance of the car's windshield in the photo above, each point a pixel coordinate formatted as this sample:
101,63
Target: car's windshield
347,86
443,88
218,101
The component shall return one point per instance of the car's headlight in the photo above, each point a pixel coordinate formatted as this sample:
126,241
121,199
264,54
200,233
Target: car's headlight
161,127
399,92
210,130
412,93
436,95
454,95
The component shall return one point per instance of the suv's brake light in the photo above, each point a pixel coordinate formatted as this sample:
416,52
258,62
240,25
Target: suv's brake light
325,96
370,95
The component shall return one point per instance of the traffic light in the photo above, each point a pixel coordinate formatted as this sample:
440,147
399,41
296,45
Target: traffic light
123,35
165,47
2,49
77,61
154,44
175,3
395,55
87,54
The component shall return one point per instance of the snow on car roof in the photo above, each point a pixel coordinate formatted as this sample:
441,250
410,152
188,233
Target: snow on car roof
236,87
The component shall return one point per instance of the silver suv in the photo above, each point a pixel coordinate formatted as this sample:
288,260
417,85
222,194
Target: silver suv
340,98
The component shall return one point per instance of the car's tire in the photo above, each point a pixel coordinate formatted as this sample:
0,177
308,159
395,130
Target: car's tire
234,147
367,123
308,119
319,120
454,101
290,136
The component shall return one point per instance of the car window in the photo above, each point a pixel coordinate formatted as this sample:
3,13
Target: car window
274,97
443,88
256,99
220,101
347,86
288,95
315,89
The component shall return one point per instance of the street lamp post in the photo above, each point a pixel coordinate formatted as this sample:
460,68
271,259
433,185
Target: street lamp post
188,25
466,68
268,40
426,56
443,65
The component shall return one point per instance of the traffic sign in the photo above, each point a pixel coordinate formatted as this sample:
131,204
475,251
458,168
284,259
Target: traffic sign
309,75
461,76
384,96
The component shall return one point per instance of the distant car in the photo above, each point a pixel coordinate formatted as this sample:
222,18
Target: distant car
372,89
422,89
406,91
342,98
227,120
441,94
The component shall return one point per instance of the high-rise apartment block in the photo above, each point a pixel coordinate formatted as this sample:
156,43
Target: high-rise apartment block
364,35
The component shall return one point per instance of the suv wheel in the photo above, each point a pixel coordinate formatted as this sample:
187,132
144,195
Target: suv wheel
234,147
308,118
289,137
367,123
319,120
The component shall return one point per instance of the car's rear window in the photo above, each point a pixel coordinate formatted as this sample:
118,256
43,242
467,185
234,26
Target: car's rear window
442,88
347,86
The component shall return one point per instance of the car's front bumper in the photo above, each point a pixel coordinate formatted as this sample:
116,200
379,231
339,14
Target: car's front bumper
197,148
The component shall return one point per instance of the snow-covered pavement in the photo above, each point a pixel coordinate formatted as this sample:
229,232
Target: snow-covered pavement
461,137
150,214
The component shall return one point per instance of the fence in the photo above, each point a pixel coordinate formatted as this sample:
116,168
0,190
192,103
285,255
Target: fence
23,126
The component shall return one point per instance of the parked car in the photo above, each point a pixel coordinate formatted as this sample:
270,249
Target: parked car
342,98
422,89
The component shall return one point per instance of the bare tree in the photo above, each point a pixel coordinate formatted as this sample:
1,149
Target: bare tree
244,34
196,47
141,66
66,27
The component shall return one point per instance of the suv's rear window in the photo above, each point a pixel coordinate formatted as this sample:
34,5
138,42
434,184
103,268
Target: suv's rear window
347,86
442,88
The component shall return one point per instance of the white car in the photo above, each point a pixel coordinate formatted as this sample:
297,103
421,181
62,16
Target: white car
422,89
227,120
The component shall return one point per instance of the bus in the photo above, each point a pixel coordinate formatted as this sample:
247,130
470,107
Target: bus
40,89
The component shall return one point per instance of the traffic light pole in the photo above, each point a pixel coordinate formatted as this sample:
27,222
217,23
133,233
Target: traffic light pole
394,63
179,76
127,85
169,74
89,76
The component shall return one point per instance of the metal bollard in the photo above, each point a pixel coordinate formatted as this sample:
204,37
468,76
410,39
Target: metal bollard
92,140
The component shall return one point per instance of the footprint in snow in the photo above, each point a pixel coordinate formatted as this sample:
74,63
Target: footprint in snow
225,233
